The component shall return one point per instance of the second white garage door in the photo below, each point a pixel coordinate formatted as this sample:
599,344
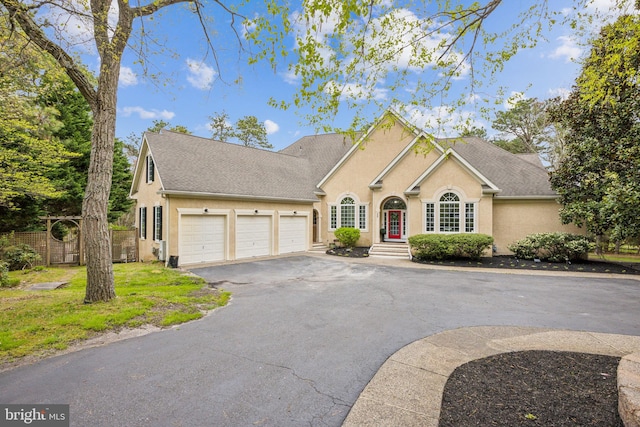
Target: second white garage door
293,234
201,239
253,236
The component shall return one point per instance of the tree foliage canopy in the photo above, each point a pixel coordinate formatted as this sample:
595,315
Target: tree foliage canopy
29,151
599,178
348,55
247,130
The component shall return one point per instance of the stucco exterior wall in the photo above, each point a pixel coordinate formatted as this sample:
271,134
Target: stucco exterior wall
397,181
515,219
231,209
358,171
454,177
147,196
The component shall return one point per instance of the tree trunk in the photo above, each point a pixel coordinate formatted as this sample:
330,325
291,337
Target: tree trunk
100,280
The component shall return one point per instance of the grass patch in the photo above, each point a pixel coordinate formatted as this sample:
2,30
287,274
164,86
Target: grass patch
616,257
36,323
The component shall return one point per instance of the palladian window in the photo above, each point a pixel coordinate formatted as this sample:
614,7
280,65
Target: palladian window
348,213
449,215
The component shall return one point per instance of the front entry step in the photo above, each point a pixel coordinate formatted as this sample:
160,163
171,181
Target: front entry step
319,248
390,250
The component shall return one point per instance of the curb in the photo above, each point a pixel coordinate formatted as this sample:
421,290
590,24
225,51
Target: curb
407,389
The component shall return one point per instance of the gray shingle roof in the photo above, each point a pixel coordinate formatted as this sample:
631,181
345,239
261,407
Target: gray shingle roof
322,151
187,163
191,164
515,176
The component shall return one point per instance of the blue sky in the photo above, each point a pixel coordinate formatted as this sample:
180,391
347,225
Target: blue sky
190,87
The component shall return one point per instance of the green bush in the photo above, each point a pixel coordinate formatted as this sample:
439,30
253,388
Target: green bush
443,246
4,274
19,257
553,247
347,236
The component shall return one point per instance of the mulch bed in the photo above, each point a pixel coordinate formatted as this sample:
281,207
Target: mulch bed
357,252
511,263
507,262
533,388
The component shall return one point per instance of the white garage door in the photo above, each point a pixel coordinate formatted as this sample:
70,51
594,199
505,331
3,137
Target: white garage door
201,239
293,234
253,236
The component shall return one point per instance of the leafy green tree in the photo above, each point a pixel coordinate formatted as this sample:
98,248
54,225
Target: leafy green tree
599,177
531,129
252,133
131,146
350,55
159,125
515,146
526,122
73,131
221,129
29,151
477,131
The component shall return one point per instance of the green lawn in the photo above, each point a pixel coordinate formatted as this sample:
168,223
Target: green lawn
616,257
37,323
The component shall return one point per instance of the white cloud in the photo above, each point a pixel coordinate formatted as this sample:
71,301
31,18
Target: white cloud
146,114
513,99
290,77
357,92
561,92
442,122
271,127
568,49
201,76
72,23
128,77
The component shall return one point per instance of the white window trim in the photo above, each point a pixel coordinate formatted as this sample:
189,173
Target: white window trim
153,222
461,209
146,219
356,205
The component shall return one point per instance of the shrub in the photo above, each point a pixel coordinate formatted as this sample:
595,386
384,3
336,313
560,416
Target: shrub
553,247
472,245
347,236
4,274
443,246
19,257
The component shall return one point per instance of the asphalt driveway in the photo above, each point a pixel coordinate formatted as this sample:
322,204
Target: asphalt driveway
300,339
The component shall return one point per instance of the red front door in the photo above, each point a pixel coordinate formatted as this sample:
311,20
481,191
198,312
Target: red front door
395,225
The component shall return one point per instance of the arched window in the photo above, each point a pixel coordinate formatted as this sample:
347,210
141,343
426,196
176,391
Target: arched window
347,212
449,213
394,203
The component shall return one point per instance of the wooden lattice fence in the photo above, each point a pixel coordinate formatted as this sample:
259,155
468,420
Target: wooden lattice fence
124,247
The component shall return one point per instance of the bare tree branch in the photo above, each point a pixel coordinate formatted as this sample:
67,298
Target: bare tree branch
23,17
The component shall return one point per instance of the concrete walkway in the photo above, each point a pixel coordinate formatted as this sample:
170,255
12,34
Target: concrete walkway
407,390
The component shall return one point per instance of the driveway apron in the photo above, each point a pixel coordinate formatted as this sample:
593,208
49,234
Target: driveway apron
300,339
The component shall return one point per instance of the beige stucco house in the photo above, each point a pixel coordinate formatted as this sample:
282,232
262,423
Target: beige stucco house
200,200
